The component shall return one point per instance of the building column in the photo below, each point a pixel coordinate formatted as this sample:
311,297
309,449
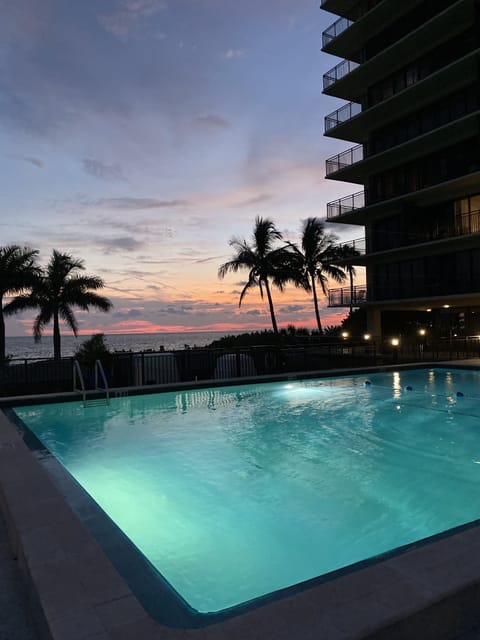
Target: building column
374,323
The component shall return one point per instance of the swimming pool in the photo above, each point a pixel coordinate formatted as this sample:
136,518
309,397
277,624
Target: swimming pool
236,492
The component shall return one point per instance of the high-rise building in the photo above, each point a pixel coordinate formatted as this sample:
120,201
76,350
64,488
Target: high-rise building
411,75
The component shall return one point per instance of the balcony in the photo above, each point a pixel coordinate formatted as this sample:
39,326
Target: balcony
344,159
345,205
348,296
355,8
353,248
338,27
465,224
451,22
341,115
338,72
449,79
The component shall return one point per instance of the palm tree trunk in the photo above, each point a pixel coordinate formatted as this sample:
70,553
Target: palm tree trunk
270,304
56,337
315,302
2,334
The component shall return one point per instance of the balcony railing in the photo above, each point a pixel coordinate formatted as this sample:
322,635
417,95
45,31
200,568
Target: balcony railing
341,115
344,159
463,224
338,27
339,71
357,247
348,296
345,205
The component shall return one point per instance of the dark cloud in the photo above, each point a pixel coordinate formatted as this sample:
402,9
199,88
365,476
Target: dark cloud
132,204
209,259
30,159
181,311
260,199
102,171
35,161
213,122
253,312
131,313
125,243
293,308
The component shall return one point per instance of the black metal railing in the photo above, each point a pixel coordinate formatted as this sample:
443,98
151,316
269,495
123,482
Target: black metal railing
338,72
357,247
348,296
344,159
30,376
463,224
345,113
345,205
334,30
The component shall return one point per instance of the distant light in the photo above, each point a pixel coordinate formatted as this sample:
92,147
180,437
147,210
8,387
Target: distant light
428,310
446,306
345,334
422,332
395,342
367,336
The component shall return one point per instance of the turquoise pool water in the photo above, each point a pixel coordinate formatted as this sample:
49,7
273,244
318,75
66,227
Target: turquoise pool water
235,492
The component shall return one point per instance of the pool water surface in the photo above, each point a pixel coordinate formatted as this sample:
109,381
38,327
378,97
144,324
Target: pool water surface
236,492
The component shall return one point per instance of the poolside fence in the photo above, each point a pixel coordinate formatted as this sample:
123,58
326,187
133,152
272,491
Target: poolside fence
38,375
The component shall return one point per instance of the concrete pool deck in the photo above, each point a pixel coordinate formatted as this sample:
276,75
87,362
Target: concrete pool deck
431,591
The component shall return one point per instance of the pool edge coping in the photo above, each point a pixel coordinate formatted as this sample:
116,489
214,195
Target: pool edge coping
397,593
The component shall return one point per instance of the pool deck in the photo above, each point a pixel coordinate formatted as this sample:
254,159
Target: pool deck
430,592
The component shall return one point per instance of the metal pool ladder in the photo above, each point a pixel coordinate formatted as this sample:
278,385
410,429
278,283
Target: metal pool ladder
79,384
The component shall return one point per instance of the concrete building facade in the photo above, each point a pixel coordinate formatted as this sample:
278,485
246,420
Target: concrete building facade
410,74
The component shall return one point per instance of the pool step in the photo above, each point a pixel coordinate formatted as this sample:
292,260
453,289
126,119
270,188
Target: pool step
96,402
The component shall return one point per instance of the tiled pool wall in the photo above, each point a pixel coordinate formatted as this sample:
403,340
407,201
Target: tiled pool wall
430,591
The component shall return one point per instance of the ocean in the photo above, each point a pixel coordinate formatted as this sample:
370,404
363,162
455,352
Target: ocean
25,346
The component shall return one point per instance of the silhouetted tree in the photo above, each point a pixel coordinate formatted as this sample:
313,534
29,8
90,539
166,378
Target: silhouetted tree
57,292
18,272
316,261
264,262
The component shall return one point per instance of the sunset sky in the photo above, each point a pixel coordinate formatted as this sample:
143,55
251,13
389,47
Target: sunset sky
140,135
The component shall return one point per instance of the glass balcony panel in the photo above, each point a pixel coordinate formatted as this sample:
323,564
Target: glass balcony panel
341,115
342,69
346,204
354,248
346,296
338,27
344,159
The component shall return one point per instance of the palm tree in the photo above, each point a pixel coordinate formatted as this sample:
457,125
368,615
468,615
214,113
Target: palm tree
264,262
316,261
18,272
57,291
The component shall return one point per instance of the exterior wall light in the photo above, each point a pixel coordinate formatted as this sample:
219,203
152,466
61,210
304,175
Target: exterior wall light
422,332
367,336
446,306
395,342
